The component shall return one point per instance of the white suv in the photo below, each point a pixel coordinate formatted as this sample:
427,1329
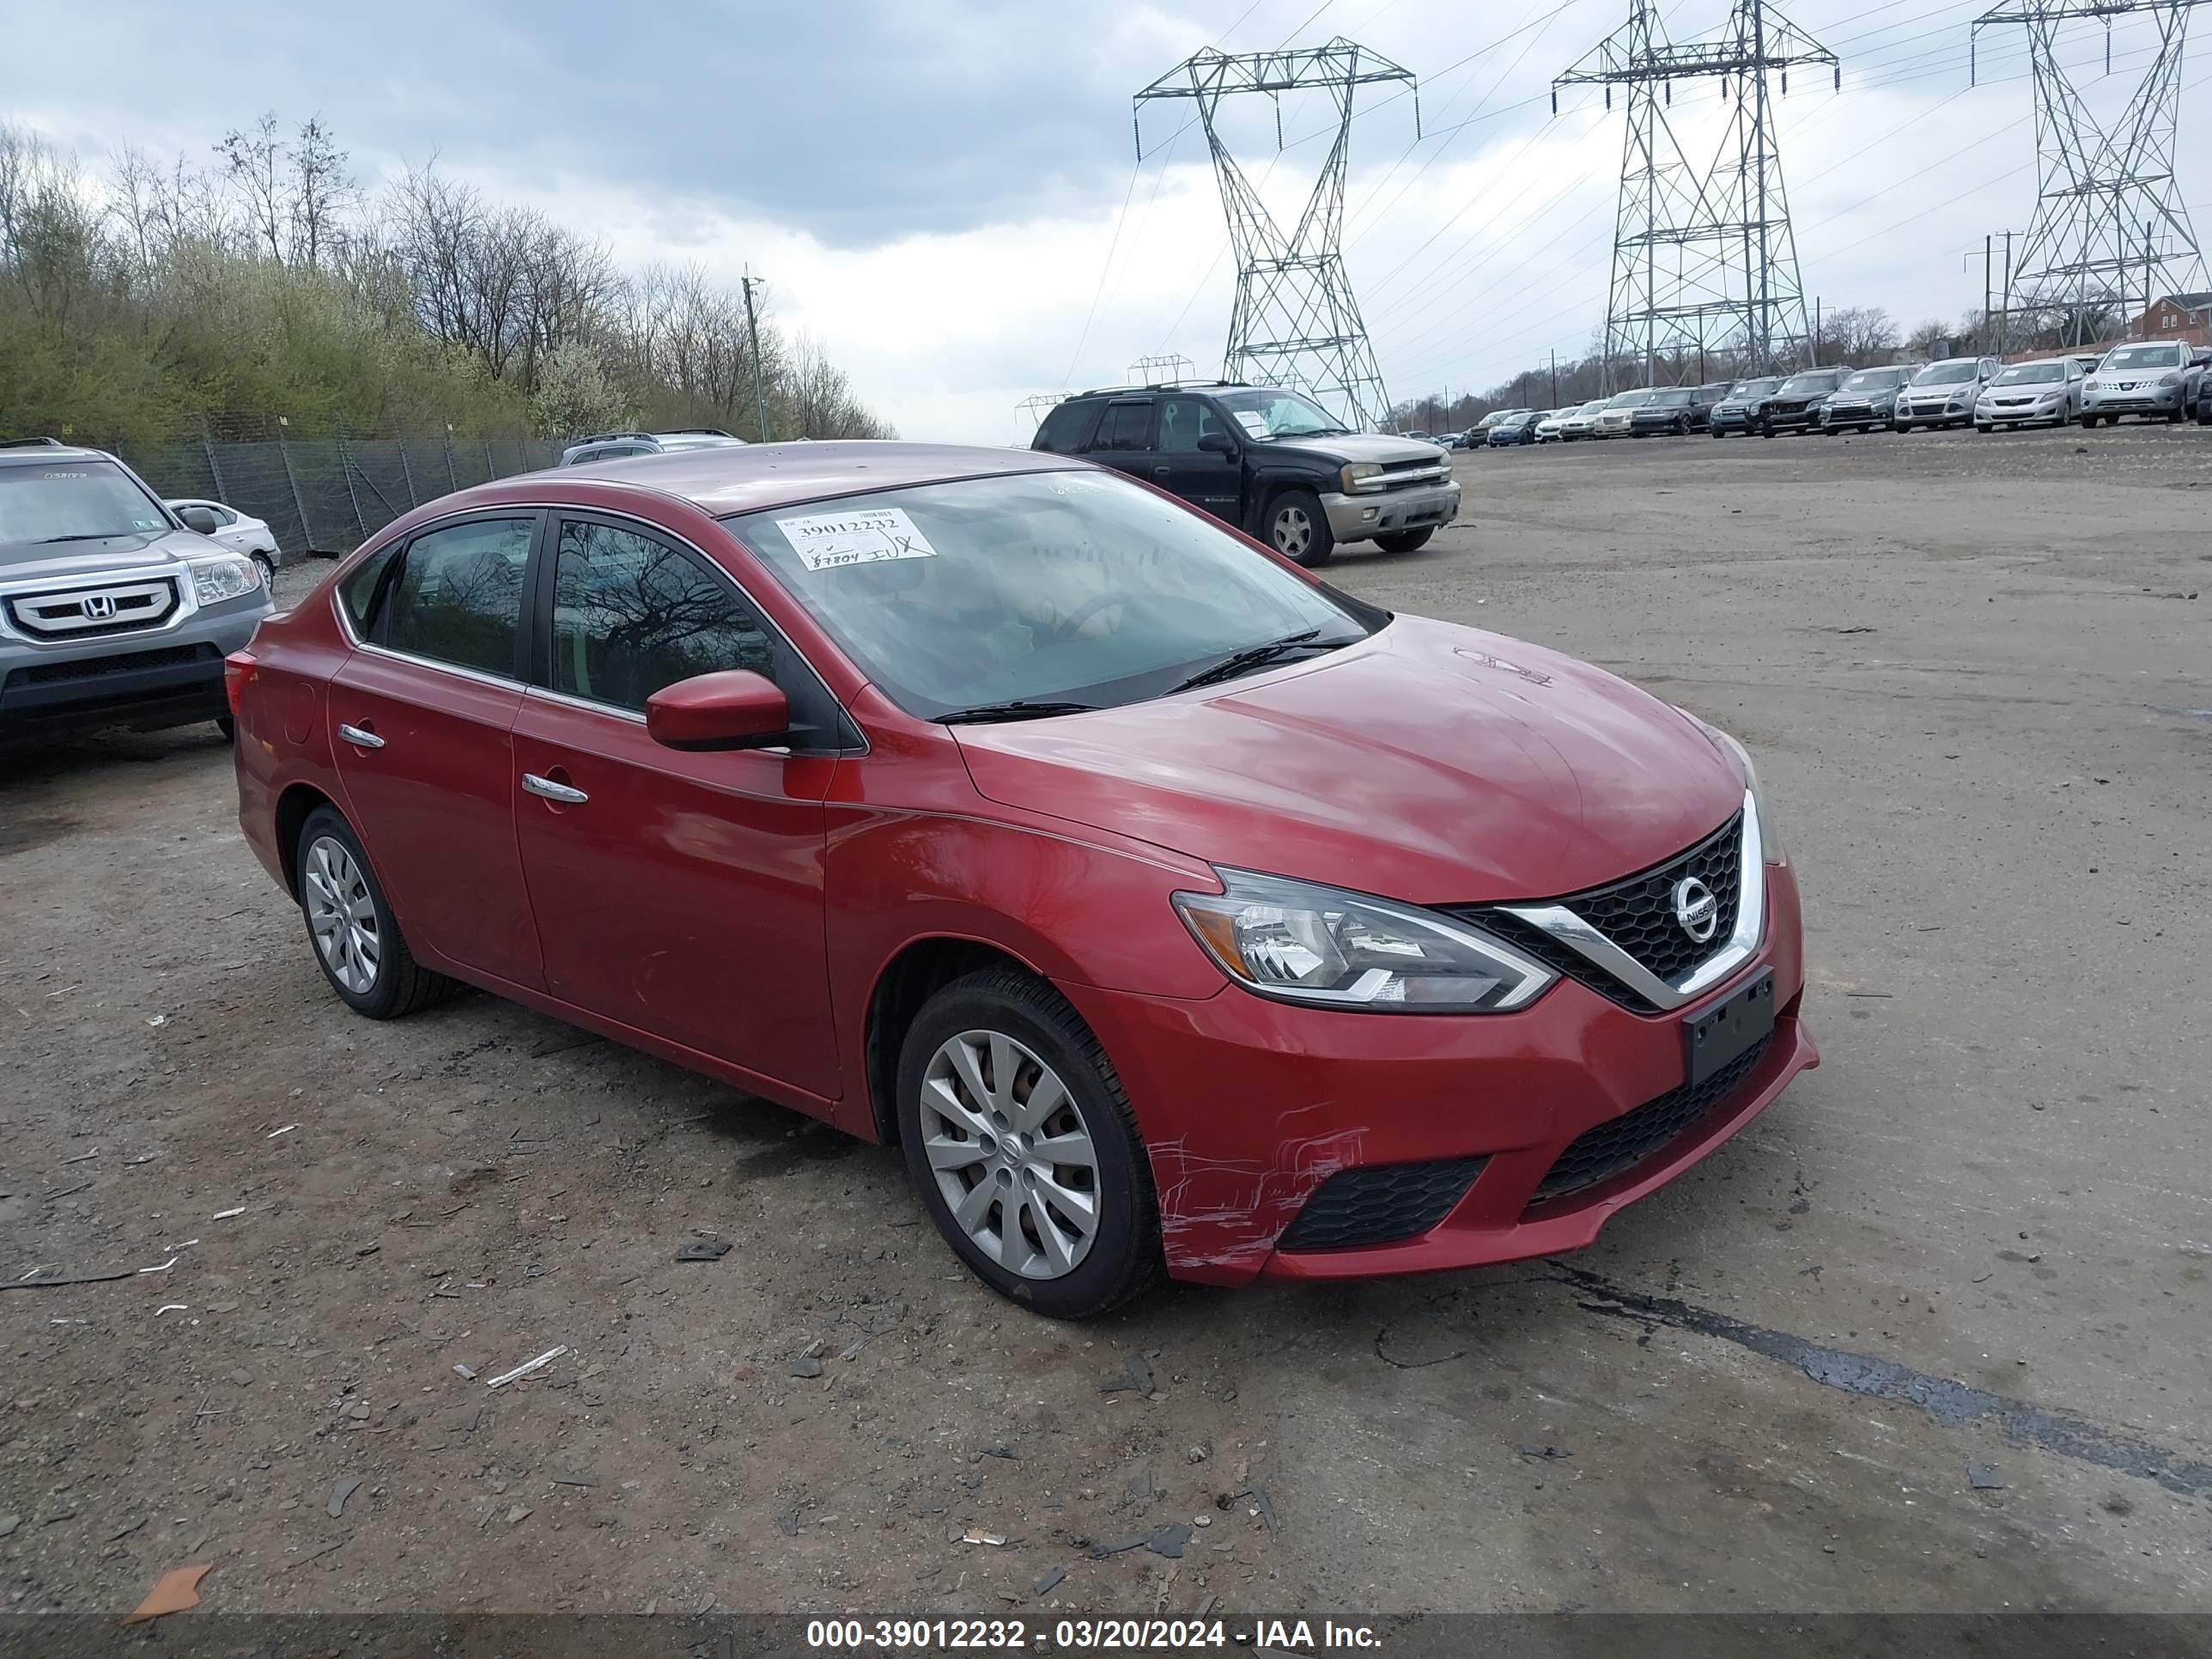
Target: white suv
2154,377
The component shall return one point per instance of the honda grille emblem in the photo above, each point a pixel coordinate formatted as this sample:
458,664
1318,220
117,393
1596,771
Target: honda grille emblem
99,607
1696,909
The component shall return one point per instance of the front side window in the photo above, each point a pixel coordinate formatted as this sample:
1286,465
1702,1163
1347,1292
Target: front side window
1183,422
632,614
1038,588
1127,426
74,500
458,598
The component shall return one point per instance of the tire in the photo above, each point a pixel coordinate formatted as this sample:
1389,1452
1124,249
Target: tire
1717,434
1405,541
1002,1016
1298,529
337,886
1681,425
268,568
1766,428
1984,429
227,726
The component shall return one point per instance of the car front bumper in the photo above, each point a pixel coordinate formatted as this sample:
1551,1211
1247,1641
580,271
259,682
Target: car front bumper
1949,412
1990,414
1248,1106
2147,400
1357,518
1858,414
146,683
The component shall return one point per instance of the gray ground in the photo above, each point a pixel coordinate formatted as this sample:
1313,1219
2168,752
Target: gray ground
1976,672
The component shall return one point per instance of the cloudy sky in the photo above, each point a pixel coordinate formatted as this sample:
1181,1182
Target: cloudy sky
945,193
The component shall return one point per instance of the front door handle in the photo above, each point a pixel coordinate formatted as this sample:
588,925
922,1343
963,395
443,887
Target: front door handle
552,791
1160,473
360,736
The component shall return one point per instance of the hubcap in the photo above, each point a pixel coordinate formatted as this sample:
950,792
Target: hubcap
341,916
1012,1157
1293,530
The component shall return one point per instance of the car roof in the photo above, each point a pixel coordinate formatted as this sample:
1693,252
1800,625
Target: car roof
37,451
746,478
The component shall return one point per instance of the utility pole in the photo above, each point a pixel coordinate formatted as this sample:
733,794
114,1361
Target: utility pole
1816,330
2004,316
1989,247
1295,322
2096,186
1703,245
760,376
1555,380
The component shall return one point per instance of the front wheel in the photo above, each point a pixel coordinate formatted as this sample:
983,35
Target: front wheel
267,567
356,939
1298,529
1405,541
1022,1143
1983,428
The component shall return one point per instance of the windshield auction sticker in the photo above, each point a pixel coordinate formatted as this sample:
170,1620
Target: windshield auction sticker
1254,425
825,541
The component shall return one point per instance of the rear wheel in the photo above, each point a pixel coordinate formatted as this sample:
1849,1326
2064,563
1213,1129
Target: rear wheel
1022,1143
267,567
1298,529
1405,541
356,939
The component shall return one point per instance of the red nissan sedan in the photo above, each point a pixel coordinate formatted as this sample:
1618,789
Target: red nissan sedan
1171,910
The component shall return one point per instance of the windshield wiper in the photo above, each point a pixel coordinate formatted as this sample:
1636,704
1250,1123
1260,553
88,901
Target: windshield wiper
1019,709
1258,656
84,536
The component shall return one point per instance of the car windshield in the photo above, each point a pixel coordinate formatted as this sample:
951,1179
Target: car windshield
1756,389
1874,379
1630,400
1801,386
1039,589
1947,373
2145,356
1279,414
73,500
1669,399
2031,373
1591,407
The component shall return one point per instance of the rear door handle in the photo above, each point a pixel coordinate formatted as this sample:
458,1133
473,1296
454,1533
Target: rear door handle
1161,473
552,791
360,737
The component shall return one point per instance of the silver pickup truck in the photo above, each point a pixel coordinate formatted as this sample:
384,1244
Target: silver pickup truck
115,610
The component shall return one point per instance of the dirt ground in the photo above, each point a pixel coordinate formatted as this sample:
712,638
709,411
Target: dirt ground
1930,1334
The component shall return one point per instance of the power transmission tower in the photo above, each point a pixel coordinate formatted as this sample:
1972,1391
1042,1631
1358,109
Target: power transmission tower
2108,211
1295,321
1704,257
1146,371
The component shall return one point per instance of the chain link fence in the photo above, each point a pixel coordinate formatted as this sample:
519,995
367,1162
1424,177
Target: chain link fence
329,495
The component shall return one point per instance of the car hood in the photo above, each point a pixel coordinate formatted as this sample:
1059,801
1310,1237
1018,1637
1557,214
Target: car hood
1347,447
1431,763
66,561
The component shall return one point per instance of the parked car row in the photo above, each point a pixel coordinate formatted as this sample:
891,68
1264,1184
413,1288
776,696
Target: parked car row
2156,379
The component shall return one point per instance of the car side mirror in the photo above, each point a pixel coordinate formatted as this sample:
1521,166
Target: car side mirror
1216,443
199,519
735,709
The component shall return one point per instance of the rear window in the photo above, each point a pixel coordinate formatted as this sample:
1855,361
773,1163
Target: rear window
1068,429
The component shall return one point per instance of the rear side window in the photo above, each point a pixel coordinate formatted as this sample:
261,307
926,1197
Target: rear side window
1068,429
458,598
1127,426
632,614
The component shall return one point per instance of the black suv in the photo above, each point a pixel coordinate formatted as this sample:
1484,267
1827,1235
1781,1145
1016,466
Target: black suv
1796,406
1272,462
1680,409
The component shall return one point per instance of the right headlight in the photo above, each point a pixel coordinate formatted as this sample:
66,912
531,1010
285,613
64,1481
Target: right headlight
1304,943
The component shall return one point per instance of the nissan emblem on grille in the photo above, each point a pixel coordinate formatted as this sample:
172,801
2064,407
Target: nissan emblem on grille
1696,909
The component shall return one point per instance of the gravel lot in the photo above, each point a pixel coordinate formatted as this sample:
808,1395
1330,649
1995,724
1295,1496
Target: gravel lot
1930,1334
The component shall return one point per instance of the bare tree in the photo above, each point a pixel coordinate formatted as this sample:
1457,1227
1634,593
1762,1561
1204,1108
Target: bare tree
253,165
320,188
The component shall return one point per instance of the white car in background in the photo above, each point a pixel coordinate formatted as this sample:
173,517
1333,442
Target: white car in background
1613,421
1582,423
240,534
1550,426
2026,394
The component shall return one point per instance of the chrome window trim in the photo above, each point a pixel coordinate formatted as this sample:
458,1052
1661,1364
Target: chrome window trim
615,710
506,508
1579,936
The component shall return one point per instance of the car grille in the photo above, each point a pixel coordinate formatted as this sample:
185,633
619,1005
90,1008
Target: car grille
1620,1144
88,668
1381,1204
86,613
1636,914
